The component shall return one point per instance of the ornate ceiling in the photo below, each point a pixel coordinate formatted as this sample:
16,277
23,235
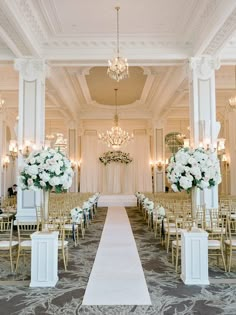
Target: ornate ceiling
76,40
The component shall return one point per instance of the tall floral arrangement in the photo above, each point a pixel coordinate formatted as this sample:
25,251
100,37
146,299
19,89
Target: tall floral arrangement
193,168
46,169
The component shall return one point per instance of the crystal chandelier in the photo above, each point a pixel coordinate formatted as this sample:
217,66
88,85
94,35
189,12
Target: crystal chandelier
232,100
61,142
50,136
118,68
116,137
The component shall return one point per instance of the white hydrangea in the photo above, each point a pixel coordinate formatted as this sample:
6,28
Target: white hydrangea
188,168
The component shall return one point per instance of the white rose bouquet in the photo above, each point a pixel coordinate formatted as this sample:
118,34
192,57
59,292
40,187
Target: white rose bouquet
193,168
46,169
77,215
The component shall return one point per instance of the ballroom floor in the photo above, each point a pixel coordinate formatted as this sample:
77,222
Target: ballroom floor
168,294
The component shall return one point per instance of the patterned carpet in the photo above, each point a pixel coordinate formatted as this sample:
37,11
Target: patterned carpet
168,294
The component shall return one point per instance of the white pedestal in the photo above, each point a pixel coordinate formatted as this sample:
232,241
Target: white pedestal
44,259
194,257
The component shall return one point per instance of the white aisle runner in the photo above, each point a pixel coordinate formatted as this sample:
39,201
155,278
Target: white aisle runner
117,276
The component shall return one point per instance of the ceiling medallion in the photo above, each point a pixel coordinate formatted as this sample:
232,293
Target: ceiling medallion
118,68
116,137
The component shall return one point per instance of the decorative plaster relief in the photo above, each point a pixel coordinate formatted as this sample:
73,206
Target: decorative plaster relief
204,66
31,69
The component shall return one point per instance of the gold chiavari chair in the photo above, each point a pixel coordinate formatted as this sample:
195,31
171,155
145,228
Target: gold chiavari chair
8,245
230,242
25,229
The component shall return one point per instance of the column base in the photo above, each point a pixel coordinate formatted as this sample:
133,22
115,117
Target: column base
40,284
194,281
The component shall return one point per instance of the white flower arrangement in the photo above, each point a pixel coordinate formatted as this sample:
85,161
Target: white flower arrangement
77,215
193,168
115,156
46,169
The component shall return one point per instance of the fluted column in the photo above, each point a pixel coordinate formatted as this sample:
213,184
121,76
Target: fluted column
204,128
31,124
73,154
232,151
159,153
3,170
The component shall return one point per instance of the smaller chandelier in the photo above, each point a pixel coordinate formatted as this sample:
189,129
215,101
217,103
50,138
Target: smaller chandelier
116,137
118,68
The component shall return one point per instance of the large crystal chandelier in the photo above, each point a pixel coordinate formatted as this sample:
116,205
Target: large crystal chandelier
118,68
116,137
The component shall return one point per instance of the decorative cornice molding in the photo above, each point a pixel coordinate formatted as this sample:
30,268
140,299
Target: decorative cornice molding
204,66
31,69
87,41
10,33
222,35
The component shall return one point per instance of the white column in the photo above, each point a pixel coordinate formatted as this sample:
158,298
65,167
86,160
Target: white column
232,151
31,125
204,128
159,153
73,154
3,153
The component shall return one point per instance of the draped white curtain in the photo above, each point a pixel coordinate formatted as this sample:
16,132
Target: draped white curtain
115,177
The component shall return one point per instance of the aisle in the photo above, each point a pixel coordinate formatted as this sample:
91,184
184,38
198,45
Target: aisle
117,276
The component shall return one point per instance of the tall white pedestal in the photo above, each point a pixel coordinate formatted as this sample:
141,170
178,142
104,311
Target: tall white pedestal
194,257
44,259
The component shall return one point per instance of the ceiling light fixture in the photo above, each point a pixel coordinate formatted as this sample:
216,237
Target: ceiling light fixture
116,137
118,68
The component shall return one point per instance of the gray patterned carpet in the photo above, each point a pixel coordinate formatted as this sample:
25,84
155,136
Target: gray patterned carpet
168,294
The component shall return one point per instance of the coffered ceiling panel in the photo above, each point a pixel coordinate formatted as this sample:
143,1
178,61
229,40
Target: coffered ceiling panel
93,17
101,87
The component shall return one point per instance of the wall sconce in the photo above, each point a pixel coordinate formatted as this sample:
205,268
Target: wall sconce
167,162
27,148
151,164
47,144
225,160
74,164
186,143
13,150
5,161
221,144
159,165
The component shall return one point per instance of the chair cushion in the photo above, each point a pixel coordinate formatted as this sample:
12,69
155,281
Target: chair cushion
213,243
217,230
60,243
26,243
174,243
6,244
227,242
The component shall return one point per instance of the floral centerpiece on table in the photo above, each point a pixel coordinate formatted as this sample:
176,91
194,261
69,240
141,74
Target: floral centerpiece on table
193,168
115,156
46,169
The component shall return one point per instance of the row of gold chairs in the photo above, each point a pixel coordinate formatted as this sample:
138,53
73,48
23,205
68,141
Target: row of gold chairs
15,247
220,224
